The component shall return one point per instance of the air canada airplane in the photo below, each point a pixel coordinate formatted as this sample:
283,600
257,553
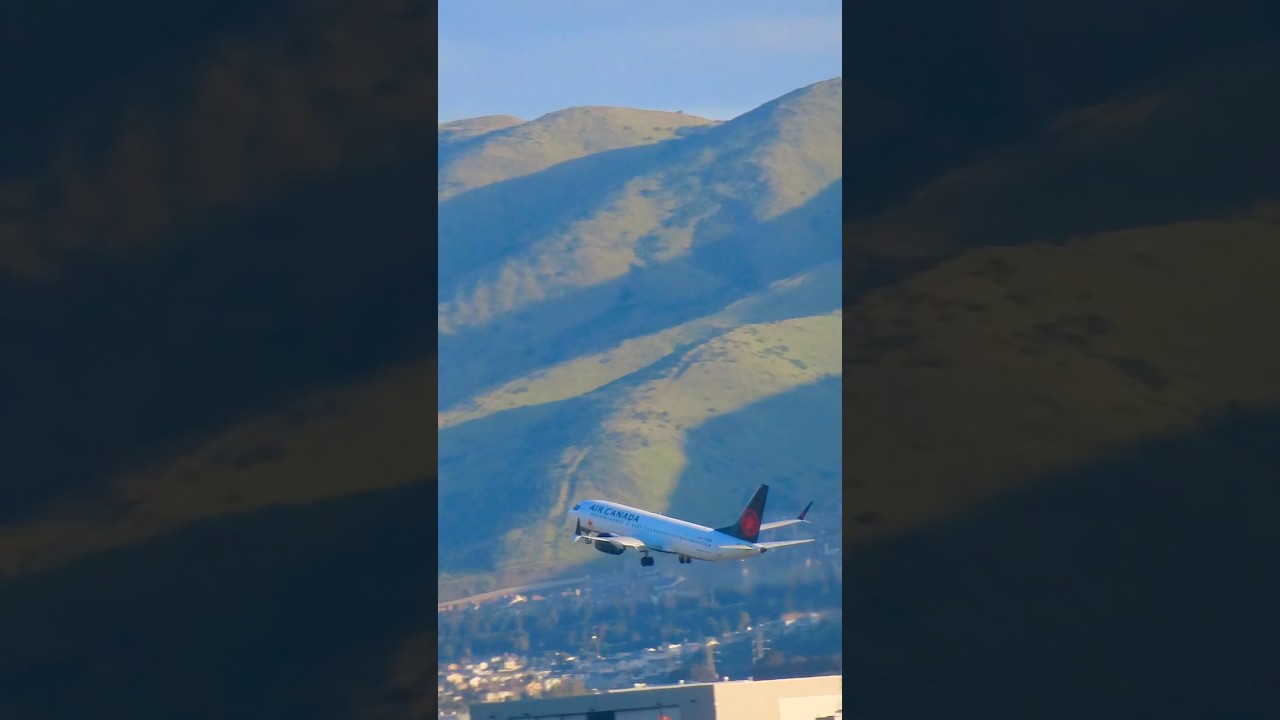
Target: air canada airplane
612,528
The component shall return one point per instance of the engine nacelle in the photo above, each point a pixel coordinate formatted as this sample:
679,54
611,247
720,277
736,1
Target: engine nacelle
608,547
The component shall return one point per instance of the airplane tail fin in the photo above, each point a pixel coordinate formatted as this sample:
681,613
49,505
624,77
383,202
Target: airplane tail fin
748,525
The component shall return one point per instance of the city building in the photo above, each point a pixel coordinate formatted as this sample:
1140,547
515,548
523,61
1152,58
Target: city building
787,699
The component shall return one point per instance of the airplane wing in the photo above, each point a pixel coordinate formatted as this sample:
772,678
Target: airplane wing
623,541
615,540
782,543
792,521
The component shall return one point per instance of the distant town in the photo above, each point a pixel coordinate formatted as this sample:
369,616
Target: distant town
634,628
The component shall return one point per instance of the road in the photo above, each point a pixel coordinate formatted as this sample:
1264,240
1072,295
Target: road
495,594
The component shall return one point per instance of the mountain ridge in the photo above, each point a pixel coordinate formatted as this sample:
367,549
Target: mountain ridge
518,149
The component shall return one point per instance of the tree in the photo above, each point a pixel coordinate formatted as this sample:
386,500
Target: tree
571,686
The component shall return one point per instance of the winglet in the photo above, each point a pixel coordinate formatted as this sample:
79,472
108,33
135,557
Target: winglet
805,511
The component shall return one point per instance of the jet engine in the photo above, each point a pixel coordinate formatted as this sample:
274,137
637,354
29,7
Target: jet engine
608,547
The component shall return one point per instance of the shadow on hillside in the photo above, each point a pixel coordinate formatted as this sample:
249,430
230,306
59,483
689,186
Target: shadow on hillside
791,243
482,460
981,75
1205,150
126,357
70,59
289,612
796,433
645,301
497,217
1140,586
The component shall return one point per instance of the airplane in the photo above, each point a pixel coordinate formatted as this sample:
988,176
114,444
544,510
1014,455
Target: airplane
612,528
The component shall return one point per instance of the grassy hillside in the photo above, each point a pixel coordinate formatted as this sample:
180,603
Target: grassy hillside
1190,147
654,238
1126,586
482,151
1093,286
644,436
297,611
976,77
449,133
1035,358
230,123
334,443
216,241
803,295
649,330
210,250
1058,410
1057,422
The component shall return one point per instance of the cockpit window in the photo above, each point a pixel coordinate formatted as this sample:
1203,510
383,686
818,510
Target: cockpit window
575,507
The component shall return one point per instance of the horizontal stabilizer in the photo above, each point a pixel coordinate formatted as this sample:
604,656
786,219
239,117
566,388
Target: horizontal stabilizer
792,521
781,523
782,543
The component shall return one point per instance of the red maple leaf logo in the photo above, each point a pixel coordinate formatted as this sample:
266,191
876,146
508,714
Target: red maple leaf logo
750,522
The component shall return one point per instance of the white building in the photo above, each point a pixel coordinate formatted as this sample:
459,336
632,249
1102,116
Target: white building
787,699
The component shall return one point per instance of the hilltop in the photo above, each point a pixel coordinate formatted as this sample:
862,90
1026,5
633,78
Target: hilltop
481,151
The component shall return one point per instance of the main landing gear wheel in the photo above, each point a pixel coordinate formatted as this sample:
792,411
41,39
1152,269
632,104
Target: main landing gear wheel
685,560
646,561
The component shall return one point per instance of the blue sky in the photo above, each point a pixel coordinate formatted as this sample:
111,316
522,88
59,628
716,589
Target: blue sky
713,58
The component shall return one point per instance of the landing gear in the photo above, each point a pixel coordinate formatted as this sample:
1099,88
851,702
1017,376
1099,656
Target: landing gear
646,561
685,559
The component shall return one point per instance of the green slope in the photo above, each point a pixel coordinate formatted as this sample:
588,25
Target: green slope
1059,434
340,442
1197,145
303,611
803,295
1135,576
1035,358
1096,285
482,151
652,328
655,236
451,133
217,378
